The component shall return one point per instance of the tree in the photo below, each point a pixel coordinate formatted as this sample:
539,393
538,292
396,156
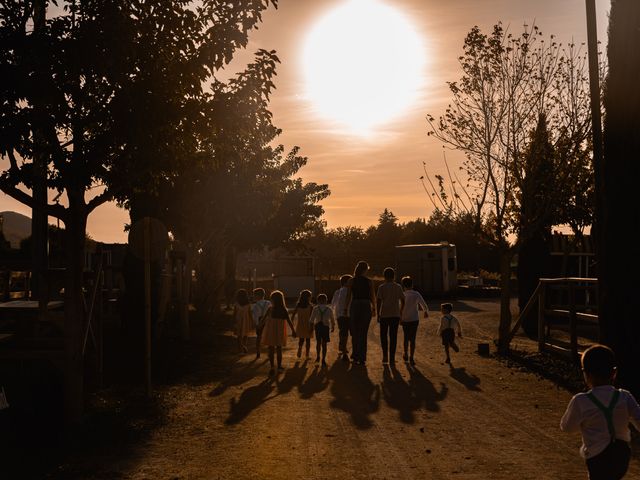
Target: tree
618,311
107,95
537,204
507,83
240,191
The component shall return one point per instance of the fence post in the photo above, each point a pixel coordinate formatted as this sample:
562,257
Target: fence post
541,319
573,320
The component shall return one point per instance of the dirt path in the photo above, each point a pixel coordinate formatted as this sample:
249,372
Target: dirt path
475,420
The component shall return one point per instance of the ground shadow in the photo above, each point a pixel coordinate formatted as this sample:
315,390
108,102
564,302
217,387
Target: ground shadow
354,392
250,399
237,376
293,377
460,375
425,392
398,394
316,382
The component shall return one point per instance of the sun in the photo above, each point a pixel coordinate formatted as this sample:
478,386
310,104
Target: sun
363,64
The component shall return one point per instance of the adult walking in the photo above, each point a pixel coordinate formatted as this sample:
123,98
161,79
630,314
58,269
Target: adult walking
390,305
361,299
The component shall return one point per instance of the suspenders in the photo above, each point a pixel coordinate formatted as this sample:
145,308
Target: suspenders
607,411
322,312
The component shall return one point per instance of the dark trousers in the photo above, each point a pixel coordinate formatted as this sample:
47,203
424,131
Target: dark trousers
611,464
388,343
343,334
360,317
410,329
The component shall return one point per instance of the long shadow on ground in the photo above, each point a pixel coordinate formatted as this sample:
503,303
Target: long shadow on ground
469,380
250,399
354,393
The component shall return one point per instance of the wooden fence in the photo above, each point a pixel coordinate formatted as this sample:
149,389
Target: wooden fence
574,299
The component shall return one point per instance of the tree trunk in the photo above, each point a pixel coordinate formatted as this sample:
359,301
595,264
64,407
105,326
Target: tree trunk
618,310
75,228
505,301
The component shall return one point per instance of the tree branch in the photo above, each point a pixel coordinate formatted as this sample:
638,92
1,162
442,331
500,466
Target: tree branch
98,200
14,192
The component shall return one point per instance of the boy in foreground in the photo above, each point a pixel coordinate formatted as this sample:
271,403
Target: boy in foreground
602,415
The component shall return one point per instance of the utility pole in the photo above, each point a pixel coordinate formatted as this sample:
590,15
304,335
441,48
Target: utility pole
600,221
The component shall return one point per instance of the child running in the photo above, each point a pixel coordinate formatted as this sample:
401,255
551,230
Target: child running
410,318
447,330
274,333
304,327
602,415
341,312
243,319
259,311
322,319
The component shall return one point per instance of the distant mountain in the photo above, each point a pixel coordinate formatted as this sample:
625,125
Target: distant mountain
15,227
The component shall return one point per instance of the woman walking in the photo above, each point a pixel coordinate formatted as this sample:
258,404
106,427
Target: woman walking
361,299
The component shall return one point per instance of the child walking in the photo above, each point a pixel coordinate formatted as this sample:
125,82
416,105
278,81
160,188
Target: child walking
304,327
243,319
390,303
259,311
409,319
274,333
322,319
447,330
341,312
602,415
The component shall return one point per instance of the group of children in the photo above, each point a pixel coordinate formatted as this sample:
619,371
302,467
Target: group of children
397,305
269,320
601,414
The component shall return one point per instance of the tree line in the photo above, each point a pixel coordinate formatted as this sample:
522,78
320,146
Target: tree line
337,249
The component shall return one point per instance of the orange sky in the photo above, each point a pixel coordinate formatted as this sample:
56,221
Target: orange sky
367,175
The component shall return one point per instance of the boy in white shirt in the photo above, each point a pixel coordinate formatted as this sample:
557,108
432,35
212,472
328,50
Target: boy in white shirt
447,329
322,319
341,312
602,415
259,310
409,318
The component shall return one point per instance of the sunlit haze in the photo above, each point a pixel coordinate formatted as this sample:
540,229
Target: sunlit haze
355,82
363,65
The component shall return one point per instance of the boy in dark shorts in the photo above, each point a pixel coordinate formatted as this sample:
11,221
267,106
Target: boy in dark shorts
447,329
322,319
602,415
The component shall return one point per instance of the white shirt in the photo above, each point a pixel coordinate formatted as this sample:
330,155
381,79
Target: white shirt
339,302
448,321
322,313
259,309
412,302
583,415
389,296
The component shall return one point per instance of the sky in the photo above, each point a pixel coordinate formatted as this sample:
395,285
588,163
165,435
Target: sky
378,167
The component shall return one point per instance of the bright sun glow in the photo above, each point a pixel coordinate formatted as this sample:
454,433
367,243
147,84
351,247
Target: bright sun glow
364,65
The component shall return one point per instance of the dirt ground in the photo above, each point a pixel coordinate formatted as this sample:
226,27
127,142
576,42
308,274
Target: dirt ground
227,419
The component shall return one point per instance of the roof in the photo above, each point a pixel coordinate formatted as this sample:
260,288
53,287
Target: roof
427,245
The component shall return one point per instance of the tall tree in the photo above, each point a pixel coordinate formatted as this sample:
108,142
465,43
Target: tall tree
507,83
537,202
616,257
114,90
